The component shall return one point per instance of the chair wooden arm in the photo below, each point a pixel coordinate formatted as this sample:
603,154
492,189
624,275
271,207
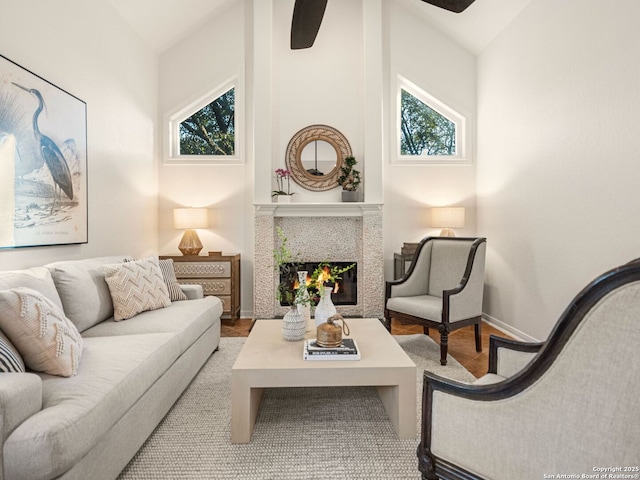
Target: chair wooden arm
389,284
467,271
496,342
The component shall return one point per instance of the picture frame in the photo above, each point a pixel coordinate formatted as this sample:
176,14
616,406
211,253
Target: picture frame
43,161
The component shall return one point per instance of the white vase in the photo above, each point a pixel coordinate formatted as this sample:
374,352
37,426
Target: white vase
293,325
325,308
284,198
305,310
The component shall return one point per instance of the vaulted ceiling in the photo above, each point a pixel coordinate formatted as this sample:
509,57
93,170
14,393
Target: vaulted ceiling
162,23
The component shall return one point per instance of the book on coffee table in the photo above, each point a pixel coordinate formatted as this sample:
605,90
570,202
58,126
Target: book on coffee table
348,350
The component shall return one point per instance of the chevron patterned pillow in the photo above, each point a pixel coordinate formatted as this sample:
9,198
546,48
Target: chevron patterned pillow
136,287
47,340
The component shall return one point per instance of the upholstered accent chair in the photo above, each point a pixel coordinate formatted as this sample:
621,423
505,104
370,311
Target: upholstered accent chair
442,289
566,406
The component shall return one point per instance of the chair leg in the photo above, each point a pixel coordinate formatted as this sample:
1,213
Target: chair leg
444,346
478,331
387,323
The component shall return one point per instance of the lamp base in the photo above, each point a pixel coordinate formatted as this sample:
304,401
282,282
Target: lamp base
447,232
190,243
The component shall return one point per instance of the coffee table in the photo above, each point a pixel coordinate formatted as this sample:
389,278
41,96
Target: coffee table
268,361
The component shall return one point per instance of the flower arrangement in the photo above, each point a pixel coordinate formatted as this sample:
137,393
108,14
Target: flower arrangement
325,273
286,263
349,177
281,176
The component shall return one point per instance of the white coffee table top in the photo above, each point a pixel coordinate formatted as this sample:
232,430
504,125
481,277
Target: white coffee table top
265,349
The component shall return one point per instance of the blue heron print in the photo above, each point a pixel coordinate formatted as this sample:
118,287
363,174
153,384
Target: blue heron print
51,153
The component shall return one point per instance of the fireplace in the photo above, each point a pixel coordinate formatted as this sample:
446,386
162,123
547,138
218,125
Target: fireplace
341,232
343,292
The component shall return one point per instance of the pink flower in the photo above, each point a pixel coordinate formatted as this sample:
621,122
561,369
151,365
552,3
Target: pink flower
281,175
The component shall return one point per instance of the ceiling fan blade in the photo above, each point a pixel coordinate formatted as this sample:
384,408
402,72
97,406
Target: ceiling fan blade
455,6
307,17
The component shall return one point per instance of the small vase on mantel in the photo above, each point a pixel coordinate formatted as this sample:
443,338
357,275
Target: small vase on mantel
293,325
284,198
325,308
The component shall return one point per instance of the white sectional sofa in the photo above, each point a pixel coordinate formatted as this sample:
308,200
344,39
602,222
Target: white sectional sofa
129,375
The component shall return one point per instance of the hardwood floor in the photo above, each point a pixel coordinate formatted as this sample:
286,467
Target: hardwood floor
461,342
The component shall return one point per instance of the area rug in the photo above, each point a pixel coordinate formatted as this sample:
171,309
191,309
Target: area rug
300,433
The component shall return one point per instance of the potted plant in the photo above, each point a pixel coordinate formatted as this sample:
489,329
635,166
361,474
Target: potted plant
281,195
349,180
294,324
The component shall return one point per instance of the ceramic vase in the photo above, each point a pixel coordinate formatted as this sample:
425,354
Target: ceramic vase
325,308
305,310
293,325
284,198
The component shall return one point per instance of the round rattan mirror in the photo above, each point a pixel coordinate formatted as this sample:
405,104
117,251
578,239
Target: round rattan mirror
315,155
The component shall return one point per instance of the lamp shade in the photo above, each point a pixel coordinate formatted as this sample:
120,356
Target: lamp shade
188,218
447,217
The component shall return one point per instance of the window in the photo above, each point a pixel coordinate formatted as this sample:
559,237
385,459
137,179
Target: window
205,130
423,131
428,130
211,130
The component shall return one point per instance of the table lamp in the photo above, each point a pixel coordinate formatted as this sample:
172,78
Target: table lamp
447,218
189,219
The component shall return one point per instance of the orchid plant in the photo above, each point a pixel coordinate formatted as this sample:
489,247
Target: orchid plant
281,176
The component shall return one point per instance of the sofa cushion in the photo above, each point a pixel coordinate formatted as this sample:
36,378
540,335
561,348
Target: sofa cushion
45,338
170,280
83,290
77,412
188,320
10,359
37,278
136,287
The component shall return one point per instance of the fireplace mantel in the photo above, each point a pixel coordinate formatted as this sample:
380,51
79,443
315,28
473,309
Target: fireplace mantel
337,209
334,232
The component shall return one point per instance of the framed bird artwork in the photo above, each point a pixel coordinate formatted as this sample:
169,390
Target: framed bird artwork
43,161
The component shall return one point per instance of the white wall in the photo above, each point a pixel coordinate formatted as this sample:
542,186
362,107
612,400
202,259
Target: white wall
200,63
319,85
558,155
287,90
445,70
86,49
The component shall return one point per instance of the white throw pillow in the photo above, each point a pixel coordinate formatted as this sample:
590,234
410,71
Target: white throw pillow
47,340
136,287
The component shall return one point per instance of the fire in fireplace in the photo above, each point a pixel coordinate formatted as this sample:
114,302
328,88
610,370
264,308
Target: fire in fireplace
344,291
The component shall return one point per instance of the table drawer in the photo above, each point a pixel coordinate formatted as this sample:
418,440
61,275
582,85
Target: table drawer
211,286
202,269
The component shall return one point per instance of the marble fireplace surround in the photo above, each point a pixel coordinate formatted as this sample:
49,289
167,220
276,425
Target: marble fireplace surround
339,232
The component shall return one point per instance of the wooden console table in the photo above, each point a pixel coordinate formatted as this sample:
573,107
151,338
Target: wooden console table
219,275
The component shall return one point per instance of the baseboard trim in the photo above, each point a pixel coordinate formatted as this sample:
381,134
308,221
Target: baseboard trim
508,329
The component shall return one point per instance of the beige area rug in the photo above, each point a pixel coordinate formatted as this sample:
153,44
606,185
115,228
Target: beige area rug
300,433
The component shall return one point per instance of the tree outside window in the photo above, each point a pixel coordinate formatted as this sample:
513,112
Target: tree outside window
423,131
211,130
